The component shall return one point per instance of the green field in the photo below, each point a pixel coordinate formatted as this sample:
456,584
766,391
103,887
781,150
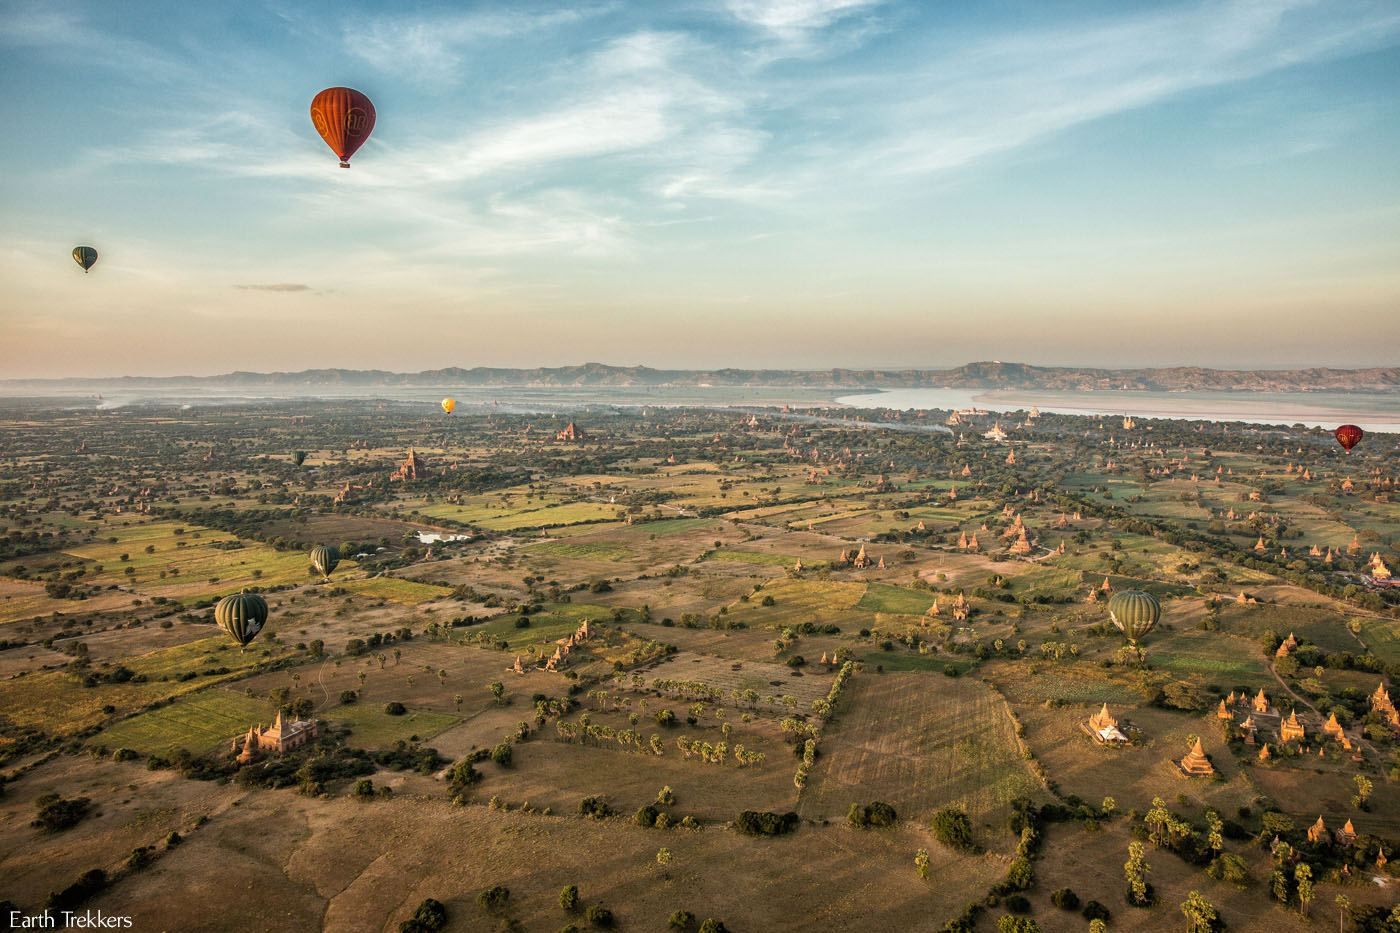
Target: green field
371,727
881,597
403,592
762,558
200,723
583,550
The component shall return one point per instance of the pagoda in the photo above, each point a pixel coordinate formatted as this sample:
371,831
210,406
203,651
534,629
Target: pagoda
1196,764
1221,712
1347,835
1332,727
1104,728
572,434
1291,730
1381,703
1261,702
1318,834
1022,545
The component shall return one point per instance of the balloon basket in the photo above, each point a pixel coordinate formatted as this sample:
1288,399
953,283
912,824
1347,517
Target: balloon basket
344,164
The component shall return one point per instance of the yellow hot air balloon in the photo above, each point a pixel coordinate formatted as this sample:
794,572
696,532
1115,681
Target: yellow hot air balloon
448,404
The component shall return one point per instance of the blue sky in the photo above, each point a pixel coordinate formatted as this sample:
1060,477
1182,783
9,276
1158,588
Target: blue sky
804,183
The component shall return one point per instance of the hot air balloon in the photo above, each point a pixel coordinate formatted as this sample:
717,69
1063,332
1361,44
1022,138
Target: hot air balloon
1348,435
298,457
1134,612
344,117
242,615
449,404
85,256
325,557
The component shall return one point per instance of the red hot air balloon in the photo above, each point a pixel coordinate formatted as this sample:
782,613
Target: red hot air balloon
344,117
1349,435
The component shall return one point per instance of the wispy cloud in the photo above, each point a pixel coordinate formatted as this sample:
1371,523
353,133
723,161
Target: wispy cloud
433,48
1005,93
275,287
791,19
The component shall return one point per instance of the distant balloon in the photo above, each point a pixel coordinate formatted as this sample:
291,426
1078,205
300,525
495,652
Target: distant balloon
242,615
449,404
344,117
1348,435
298,457
84,256
324,558
1135,613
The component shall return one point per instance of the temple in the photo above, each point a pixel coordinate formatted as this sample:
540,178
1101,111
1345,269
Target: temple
572,434
280,738
1318,834
412,468
1196,764
1104,728
1381,703
1291,730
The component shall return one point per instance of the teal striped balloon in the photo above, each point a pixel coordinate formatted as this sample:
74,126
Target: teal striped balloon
84,256
1134,612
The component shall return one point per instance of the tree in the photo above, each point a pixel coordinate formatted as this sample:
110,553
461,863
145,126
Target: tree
682,919
568,897
498,690
1343,908
1006,923
921,863
1302,874
1097,926
1108,806
665,796
1363,791
430,916
711,925
663,858
1200,914
1158,821
1135,870
1214,831
953,828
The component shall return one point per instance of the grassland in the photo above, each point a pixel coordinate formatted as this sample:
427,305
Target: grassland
199,723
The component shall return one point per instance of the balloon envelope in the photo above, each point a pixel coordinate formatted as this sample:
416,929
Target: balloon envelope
344,117
84,256
1348,435
448,404
1134,612
324,558
242,615
298,457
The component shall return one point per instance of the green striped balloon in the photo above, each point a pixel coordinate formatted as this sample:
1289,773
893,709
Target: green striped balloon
242,615
1134,612
84,256
325,557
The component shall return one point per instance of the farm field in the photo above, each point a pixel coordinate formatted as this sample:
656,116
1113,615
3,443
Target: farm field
709,665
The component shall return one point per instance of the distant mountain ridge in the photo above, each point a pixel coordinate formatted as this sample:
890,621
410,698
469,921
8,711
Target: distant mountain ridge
984,375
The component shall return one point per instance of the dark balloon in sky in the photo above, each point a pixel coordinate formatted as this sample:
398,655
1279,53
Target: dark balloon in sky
84,256
344,117
1349,435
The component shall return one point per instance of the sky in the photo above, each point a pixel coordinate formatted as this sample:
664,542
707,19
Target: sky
750,183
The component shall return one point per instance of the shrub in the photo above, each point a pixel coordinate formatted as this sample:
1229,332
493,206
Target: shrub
125,754
953,829
395,708
646,816
763,823
1065,899
92,882
1095,911
502,754
1017,904
595,807
682,919
875,814
711,925
494,898
56,814
568,897
599,916
429,916
348,696
364,788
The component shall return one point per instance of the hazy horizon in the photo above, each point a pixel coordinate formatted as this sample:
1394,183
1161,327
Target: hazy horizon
746,183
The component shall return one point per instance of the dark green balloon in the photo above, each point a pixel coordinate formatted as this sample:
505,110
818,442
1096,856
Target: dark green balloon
325,557
242,615
298,457
1134,612
84,256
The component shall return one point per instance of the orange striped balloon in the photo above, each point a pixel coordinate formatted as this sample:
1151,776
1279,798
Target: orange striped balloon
344,117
